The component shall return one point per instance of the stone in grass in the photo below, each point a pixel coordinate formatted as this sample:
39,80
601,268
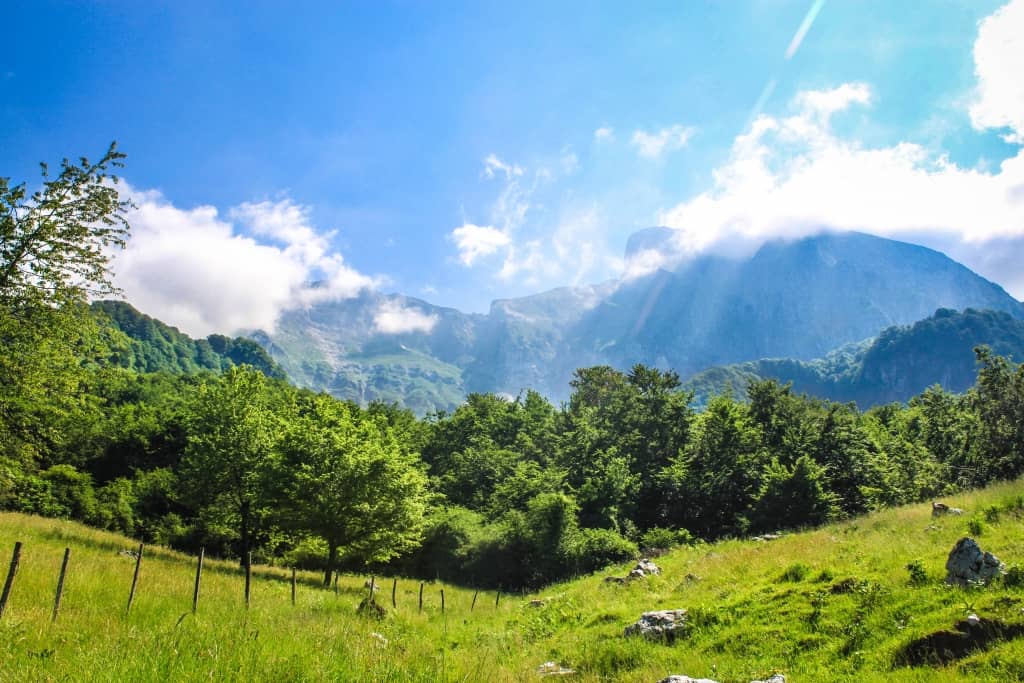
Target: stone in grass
554,669
775,678
662,625
967,564
647,567
685,679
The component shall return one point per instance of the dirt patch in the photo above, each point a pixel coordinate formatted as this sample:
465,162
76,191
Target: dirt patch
943,647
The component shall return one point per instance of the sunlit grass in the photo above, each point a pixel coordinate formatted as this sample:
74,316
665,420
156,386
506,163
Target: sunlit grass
756,608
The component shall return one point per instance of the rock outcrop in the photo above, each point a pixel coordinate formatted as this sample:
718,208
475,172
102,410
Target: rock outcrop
967,564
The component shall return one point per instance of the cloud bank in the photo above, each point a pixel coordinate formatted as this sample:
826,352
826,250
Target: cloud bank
205,273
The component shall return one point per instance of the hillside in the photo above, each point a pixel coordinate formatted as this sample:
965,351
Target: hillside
834,604
791,299
899,363
153,346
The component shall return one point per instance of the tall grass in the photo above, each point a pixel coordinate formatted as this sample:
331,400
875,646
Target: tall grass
834,604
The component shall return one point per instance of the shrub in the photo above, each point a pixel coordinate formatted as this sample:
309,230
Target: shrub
662,539
975,527
918,575
992,514
592,549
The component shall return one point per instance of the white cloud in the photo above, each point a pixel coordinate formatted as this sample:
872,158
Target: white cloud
493,166
604,134
653,145
793,176
824,103
394,318
475,241
202,273
999,68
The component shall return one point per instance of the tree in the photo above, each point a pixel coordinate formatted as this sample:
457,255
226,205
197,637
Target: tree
55,250
228,465
348,481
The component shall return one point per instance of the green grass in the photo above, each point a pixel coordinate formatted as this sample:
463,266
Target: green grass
835,604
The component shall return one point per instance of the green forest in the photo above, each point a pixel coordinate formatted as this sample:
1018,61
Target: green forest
205,444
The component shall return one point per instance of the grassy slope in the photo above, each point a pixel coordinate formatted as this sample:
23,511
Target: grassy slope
748,620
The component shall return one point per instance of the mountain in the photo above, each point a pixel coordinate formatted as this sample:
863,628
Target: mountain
343,348
796,299
900,363
152,346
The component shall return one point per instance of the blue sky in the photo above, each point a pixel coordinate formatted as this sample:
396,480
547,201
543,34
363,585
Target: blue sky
462,153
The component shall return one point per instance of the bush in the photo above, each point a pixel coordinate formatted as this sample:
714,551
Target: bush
663,539
975,527
592,549
918,575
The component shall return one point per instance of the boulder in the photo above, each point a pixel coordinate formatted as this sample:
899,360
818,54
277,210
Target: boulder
647,567
685,679
967,564
775,678
636,573
662,625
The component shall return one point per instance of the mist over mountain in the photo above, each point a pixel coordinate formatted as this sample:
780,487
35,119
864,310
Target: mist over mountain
795,299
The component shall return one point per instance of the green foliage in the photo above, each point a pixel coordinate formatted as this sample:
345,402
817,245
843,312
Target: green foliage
152,346
662,538
343,477
918,574
55,248
592,549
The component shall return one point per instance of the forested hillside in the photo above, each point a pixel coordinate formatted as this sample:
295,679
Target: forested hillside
152,346
899,363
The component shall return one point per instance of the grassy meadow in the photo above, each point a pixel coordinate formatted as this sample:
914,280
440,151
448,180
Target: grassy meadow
833,604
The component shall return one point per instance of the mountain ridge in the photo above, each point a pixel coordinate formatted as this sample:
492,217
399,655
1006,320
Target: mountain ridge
798,299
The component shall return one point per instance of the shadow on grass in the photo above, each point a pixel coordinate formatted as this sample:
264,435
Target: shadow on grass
944,647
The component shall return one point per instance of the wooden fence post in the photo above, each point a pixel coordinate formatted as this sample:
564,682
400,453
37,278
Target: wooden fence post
442,601
199,576
135,579
248,577
394,588
293,586
473,604
15,559
497,596
421,596
60,585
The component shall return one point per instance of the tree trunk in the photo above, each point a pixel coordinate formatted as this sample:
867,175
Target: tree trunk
332,561
246,514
